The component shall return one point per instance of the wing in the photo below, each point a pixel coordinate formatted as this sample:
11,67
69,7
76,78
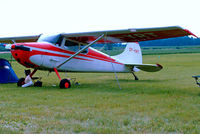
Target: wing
19,39
129,35
114,36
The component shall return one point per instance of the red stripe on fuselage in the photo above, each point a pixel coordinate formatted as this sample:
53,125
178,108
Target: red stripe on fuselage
46,46
36,52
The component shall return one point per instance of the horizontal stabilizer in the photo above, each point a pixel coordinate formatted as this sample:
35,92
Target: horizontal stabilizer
146,67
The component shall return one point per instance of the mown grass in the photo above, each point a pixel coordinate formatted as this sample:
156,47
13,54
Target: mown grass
161,102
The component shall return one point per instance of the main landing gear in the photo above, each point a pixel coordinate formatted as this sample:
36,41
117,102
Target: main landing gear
64,83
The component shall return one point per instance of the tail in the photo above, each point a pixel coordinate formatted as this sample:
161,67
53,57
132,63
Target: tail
132,54
132,58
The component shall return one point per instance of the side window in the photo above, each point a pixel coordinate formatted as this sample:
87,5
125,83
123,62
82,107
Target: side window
82,46
74,46
70,43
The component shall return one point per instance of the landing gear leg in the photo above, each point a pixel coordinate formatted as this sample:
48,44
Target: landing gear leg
136,78
64,83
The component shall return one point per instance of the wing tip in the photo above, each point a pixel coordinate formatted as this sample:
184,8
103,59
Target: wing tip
190,33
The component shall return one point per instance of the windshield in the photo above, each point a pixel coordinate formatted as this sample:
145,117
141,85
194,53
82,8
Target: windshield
54,39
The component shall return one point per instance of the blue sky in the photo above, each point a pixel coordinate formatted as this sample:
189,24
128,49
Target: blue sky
30,17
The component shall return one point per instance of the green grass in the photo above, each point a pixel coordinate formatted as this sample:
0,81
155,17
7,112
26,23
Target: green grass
161,102
6,56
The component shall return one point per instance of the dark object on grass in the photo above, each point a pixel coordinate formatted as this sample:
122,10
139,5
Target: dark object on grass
197,79
38,84
20,82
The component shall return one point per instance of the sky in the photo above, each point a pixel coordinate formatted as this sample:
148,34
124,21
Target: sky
32,17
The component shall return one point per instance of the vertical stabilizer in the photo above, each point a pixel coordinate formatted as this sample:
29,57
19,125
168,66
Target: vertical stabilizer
131,55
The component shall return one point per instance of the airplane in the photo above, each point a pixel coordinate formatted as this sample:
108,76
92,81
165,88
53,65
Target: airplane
72,52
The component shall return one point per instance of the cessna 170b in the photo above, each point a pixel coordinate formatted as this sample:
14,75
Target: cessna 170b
72,52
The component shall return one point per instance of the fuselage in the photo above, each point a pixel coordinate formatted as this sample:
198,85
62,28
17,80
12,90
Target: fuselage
46,56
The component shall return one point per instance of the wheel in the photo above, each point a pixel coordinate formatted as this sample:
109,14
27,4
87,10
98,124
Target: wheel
20,82
38,84
65,83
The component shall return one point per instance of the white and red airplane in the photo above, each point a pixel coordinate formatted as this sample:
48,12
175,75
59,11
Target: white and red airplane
71,52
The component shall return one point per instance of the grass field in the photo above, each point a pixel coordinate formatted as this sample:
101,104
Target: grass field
163,102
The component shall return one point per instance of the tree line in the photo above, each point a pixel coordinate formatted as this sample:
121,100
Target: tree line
179,41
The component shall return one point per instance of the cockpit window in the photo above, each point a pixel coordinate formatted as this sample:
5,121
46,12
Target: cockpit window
62,42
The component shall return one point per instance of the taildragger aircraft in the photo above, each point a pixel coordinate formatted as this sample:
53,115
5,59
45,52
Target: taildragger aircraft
72,52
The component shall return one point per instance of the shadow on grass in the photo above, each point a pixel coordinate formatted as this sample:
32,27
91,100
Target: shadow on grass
136,81
111,86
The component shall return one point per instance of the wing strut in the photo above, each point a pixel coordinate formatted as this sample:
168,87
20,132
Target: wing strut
80,51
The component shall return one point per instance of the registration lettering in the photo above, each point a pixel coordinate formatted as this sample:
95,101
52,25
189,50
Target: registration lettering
138,36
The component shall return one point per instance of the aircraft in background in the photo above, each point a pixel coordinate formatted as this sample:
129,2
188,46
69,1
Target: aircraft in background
72,52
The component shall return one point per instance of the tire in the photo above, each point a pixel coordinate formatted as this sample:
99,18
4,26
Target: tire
20,82
38,84
65,83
